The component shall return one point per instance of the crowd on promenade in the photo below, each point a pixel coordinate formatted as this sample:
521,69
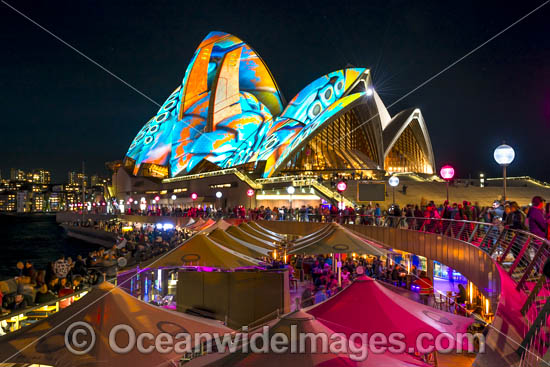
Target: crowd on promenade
534,216
62,277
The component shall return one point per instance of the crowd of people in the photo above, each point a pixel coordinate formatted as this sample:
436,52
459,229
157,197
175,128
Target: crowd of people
65,276
534,216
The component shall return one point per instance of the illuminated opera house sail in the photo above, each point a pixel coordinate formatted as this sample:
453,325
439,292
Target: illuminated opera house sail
228,112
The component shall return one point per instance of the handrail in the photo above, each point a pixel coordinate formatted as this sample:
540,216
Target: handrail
328,192
509,241
309,181
248,180
18,313
222,172
520,253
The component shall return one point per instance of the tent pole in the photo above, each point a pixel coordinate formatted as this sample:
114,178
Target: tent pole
339,270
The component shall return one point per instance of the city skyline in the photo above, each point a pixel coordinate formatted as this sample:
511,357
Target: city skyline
43,176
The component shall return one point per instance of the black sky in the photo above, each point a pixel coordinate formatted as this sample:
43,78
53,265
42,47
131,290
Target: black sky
59,109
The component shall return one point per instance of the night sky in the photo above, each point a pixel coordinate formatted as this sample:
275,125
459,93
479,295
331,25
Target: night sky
59,109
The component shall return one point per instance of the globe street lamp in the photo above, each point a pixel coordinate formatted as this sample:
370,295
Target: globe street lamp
447,173
173,197
341,187
393,181
250,193
290,191
504,155
218,197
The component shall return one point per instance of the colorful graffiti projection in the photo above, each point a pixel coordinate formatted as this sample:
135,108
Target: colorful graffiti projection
228,111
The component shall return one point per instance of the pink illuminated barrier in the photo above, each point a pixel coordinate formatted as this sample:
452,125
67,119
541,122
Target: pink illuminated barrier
521,254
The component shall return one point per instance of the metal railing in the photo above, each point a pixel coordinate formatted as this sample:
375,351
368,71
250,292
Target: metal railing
39,311
520,253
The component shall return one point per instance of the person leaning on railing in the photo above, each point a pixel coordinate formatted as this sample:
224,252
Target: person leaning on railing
515,217
44,295
535,218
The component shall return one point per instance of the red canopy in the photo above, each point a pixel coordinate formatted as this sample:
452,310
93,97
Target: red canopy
310,356
368,307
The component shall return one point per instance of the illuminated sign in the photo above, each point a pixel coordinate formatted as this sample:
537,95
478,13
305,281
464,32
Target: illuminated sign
223,186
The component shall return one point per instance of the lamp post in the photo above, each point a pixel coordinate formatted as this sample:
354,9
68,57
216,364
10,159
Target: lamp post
393,181
218,197
504,155
156,201
143,204
250,193
447,173
173,197
341,187
290,191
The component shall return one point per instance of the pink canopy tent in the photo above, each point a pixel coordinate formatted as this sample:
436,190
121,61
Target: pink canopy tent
368,307
220,224
196,224
312,355
209,223
102,309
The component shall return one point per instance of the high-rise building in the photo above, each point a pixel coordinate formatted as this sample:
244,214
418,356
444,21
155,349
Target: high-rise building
95,180
41,176
8,201
17,175
23,202
37,202
76,178
55,201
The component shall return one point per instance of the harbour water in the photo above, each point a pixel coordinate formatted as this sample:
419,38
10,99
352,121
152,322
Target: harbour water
37,238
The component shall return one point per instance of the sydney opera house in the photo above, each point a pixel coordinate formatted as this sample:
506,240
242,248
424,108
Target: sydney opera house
228,113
